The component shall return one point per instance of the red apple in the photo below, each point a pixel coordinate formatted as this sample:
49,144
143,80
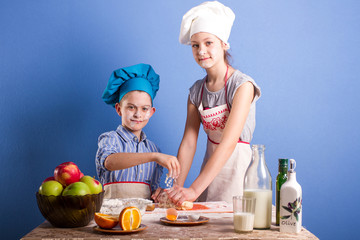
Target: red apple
76,189
48,179
67,173
94,185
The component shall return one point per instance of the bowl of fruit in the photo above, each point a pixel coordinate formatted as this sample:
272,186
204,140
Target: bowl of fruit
69,199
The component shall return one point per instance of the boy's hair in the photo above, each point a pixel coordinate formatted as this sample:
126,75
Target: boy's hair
126,95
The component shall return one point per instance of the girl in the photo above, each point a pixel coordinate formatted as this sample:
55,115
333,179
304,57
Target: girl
223,101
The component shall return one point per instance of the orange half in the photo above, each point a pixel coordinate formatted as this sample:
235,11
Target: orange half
130,218
105,221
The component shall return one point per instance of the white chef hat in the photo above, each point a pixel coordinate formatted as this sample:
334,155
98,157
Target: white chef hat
211,17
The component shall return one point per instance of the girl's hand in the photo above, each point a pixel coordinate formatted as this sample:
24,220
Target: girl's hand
169,162
179,194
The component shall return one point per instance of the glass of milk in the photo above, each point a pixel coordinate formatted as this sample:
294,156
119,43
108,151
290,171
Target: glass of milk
244,213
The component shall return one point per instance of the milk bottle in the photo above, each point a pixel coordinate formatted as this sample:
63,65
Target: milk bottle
258,184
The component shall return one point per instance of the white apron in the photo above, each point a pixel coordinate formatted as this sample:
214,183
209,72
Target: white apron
127,190
229,182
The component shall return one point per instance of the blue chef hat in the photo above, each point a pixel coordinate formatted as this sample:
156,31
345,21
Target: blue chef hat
140,77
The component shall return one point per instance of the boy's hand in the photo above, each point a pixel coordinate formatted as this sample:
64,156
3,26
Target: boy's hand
169,162
156,194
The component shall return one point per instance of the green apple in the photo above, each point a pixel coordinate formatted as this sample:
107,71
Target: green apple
94,185
51,187
76,189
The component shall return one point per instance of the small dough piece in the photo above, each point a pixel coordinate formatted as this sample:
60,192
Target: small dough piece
150,207
185,206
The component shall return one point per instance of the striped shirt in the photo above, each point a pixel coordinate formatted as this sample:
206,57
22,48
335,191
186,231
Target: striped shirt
122,140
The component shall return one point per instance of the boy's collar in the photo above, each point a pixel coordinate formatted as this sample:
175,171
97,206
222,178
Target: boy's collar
128,135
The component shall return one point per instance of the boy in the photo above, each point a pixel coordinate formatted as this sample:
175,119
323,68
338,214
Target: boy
127,163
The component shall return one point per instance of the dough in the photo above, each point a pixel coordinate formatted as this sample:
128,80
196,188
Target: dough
165,202
185,206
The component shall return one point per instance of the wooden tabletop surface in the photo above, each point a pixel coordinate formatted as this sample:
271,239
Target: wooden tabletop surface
219,226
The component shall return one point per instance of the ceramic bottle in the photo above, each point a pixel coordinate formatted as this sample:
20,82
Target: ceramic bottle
291,203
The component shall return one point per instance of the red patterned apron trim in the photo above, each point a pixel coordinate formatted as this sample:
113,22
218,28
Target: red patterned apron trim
214,114
239,141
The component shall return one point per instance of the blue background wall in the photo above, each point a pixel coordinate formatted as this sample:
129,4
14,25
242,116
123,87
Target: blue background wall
56,57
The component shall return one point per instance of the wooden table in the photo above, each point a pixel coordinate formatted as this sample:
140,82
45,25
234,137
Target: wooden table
220,226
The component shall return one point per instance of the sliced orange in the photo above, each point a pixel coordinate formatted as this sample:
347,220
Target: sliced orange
105,221
130,218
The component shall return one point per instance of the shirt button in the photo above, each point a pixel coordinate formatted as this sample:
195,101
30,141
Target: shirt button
135,139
